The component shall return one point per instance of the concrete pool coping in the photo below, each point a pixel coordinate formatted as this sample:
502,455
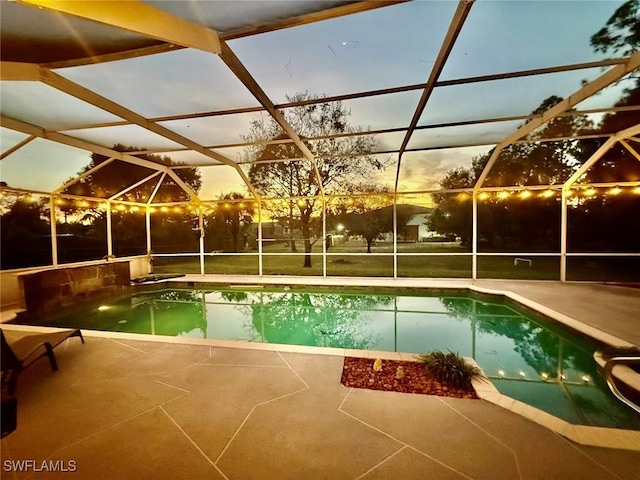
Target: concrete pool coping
584,435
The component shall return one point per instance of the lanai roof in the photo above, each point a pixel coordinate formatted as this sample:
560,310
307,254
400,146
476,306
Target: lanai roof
435,83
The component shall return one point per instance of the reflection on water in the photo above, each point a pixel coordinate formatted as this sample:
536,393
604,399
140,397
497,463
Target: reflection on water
526,357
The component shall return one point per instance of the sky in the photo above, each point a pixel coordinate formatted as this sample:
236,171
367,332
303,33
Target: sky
381,48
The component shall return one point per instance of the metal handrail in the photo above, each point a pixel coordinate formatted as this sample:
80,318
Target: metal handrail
608,376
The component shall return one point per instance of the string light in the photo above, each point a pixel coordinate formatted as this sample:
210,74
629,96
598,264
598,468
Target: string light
547,194
483,196
590,192
615,190
503,195
525,194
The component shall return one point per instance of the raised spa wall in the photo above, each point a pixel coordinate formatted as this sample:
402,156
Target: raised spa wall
48,290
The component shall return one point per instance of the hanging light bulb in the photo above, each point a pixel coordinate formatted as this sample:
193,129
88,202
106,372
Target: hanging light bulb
525,194
547,193
615,190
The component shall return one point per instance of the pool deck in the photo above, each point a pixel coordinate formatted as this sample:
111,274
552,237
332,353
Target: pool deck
127,406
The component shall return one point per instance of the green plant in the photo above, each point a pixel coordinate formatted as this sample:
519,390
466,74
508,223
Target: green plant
450,368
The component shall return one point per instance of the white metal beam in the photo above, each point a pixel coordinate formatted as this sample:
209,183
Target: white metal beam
17,147
252,85
19,72
135,185
71,88
137,17
156,188
39,132
29,129
630,149
81,176
333,12
459,17
597,155
591,88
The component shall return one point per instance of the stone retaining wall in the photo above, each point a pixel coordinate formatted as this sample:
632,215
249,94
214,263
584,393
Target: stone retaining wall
48,290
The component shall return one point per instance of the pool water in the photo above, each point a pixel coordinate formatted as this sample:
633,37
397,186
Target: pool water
526,356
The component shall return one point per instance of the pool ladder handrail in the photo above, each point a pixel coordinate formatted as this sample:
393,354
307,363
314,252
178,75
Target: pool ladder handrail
608,376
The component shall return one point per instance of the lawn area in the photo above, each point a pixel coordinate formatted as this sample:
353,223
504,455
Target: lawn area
351,259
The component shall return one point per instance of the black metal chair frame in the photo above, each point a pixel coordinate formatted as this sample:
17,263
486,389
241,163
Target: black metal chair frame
22,353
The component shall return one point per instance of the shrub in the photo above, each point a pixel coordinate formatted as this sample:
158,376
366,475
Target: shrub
450,368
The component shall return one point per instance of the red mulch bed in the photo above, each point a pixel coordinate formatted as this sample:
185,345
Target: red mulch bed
359,373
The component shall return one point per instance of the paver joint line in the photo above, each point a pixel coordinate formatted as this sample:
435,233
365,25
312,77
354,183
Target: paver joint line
381,462
513,452
394,438
582,452
197,447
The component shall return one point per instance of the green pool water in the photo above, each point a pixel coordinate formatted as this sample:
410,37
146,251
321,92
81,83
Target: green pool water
526,357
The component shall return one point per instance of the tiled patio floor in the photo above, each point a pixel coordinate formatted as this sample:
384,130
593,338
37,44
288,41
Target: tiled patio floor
125,409
146,407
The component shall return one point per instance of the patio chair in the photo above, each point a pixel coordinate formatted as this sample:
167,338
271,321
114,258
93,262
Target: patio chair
23,352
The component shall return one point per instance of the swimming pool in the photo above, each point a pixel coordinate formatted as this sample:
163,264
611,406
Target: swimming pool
526,356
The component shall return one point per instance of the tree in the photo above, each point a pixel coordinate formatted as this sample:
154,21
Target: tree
127,227
280,169
452,215
621,34
25,233
230,221
119,175
505,222
329,320
368,213
365,215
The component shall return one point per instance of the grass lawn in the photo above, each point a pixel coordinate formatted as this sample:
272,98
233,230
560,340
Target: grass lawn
351,259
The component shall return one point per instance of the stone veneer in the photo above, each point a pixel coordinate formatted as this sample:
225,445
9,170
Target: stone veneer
48,290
